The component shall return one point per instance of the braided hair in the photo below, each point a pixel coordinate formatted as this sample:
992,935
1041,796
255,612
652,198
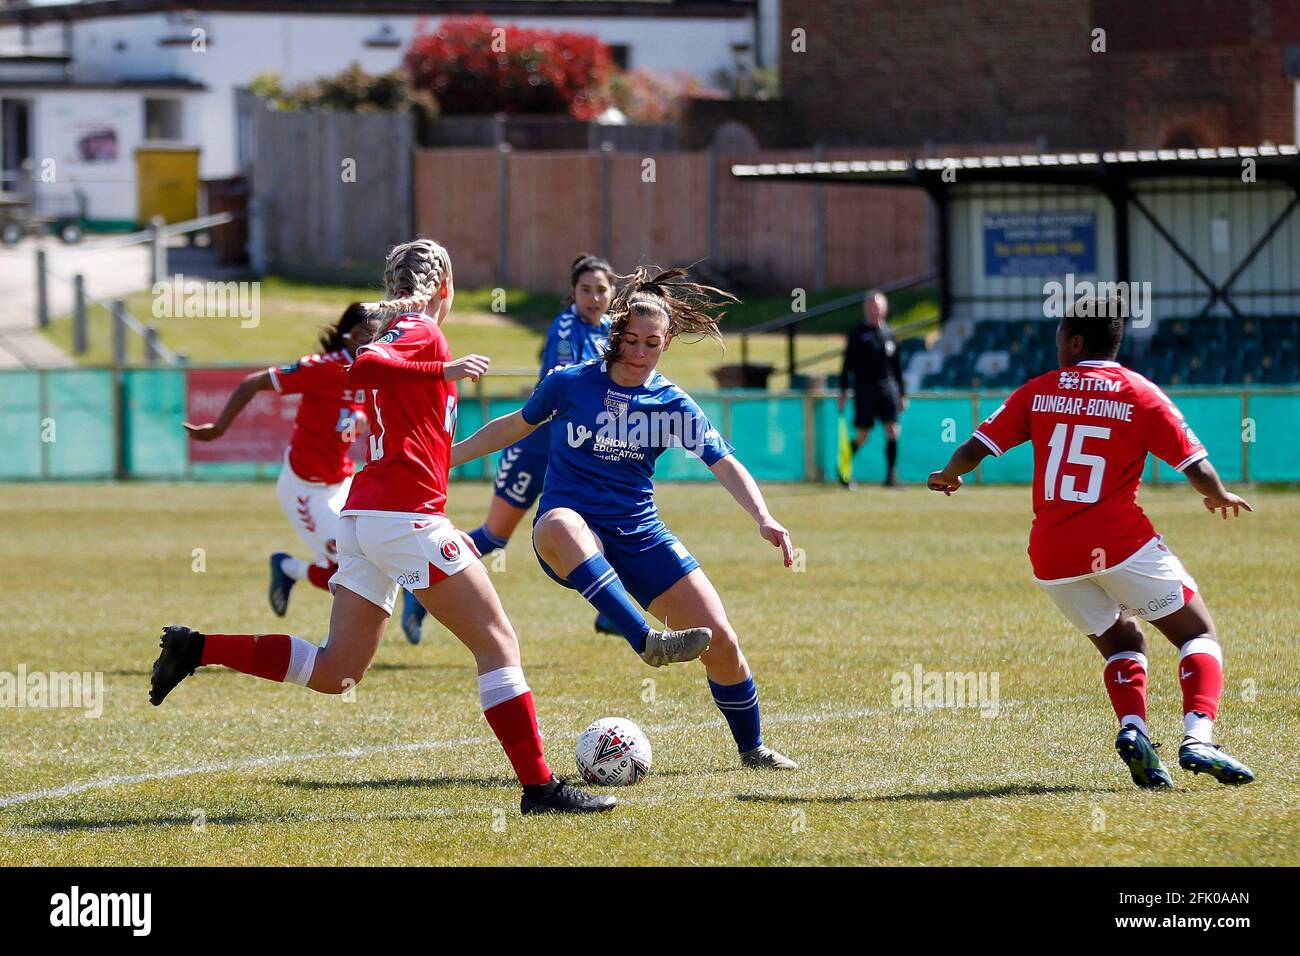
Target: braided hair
413,274
689,307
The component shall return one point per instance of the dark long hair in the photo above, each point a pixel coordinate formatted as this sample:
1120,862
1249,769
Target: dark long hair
689,306
331,337
585,263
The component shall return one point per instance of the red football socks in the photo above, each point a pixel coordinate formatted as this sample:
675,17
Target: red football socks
262,655
1200,672
1126,684
515,723
319,576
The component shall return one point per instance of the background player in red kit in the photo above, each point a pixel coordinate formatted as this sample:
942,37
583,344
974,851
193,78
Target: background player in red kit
1093,550
393,533
317,472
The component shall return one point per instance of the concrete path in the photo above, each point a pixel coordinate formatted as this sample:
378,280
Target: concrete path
110,271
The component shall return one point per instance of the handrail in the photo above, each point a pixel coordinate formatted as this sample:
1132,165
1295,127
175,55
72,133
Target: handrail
164,230
789,323
794,318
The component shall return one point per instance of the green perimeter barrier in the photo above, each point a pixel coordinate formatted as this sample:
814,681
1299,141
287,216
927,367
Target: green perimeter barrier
103,423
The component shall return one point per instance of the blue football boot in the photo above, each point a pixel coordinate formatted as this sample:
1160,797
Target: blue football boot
1200,757
413,613
281,585
1139,754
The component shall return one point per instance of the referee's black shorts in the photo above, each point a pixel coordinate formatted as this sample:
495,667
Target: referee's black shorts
871,407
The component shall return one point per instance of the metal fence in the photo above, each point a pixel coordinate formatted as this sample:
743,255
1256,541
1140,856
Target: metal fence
126,423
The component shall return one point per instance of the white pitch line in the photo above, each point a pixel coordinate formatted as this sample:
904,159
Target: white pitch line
275,760
246,763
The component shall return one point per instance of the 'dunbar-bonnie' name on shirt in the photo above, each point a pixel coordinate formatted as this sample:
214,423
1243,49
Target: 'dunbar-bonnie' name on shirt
1071,380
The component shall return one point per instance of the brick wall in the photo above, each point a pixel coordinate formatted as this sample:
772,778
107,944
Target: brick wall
901,73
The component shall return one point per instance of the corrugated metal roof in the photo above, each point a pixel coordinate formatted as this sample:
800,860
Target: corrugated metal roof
906,171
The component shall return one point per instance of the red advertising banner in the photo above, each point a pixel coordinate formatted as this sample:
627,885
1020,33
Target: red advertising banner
261,432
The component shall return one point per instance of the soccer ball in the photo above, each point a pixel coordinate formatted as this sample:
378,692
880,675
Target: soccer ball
613,751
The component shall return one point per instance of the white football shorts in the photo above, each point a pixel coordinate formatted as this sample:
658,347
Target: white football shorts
1151,584
379,553
312,507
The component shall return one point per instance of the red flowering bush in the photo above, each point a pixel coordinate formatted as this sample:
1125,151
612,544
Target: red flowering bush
644,96
471,65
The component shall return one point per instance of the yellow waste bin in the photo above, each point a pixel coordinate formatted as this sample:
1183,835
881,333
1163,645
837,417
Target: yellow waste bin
167,182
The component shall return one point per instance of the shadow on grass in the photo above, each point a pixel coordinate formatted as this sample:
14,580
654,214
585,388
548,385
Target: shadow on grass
986,793
171,821
400,783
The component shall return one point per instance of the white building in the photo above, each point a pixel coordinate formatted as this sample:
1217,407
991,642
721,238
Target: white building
84,84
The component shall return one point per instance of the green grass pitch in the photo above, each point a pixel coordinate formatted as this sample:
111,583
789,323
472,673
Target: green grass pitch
233,770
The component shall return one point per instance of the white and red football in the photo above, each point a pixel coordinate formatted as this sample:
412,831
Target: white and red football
613,751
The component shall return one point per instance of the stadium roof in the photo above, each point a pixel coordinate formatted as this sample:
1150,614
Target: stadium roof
30,13
1272,162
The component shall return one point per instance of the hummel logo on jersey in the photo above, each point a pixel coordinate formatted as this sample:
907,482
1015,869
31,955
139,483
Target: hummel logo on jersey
1069,380
576,438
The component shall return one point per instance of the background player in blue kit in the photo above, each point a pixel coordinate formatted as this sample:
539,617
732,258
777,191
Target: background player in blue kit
598,530
577,334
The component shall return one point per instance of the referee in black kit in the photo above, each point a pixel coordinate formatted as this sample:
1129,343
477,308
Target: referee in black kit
872,367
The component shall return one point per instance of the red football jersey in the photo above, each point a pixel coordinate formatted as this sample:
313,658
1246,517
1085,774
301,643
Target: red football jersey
412,426
326,424
1091,425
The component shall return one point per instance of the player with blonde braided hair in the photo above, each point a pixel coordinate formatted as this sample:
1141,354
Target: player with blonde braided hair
597,529
393,533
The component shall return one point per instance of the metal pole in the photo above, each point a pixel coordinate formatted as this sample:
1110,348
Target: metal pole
811,465
120,426
43,399
151,345
257,208
42,291
79,314
119,333
1245,445
711,161
157,250
606,213
503,213
789,350
819,225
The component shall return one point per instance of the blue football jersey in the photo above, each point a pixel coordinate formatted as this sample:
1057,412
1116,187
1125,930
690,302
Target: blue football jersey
606,438
569,341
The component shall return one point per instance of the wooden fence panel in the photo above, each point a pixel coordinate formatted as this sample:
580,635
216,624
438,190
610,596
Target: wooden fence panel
664,221
319,221
554,213
456,202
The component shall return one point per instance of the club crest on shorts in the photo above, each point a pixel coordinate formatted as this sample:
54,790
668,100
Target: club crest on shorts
450,550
